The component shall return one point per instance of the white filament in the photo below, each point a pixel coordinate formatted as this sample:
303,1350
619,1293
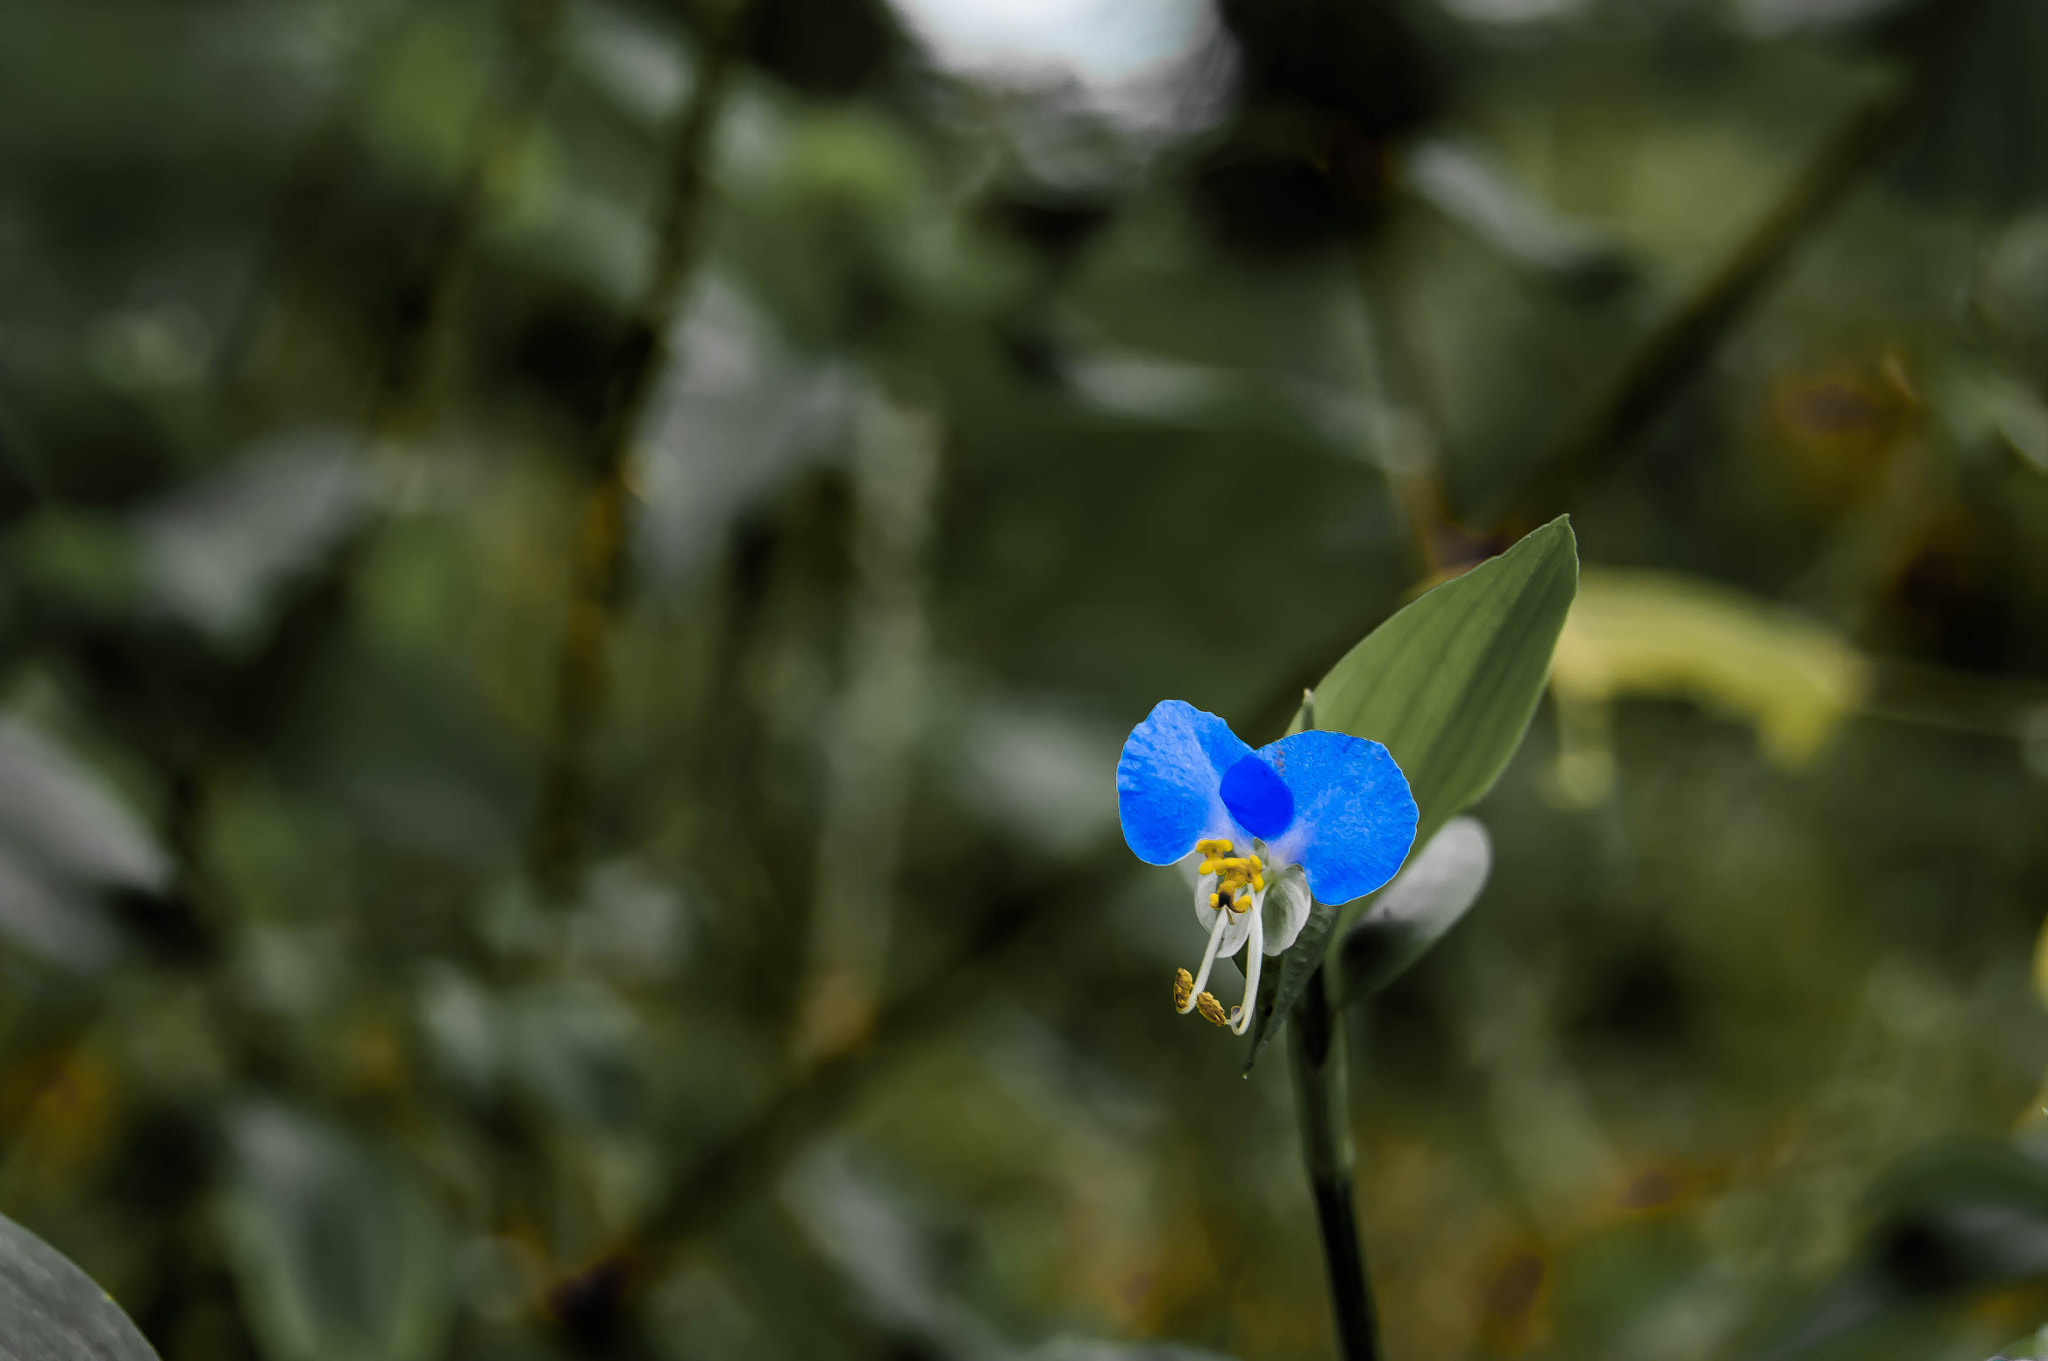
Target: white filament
1208,961
1255,955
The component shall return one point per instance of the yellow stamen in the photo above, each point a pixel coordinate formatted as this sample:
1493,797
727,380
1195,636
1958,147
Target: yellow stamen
1183,985
1211,1009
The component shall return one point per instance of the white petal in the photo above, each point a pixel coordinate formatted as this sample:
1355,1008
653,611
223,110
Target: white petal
1441,880
1204,885
1286,908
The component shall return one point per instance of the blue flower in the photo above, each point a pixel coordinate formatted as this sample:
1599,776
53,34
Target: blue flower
1320,814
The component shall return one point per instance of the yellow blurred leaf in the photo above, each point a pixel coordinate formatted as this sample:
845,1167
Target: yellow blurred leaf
1665,634
2041,961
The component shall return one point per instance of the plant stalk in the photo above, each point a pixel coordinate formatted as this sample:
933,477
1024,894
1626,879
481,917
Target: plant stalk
597,568
1315,1053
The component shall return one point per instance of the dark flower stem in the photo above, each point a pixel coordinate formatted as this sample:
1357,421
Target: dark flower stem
1315,1051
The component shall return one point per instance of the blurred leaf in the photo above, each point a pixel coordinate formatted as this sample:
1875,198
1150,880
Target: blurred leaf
462,1026
1094,1349
2041,960
220,552
870,1233
735,385
1297,965
1427,898
571,1045
84,561
54,805
54,919
2012,288
1449,683
1471,191
1774,18
1982,407
52,1311
338,1256
1035,767
1960,1216
65,839
2033,1347
1657,633
898,1264
642,69
1949,1223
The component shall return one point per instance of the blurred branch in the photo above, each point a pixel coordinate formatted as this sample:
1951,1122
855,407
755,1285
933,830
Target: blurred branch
1665,361
895,475
1876,539
597,569
523,78
2007,707
519,82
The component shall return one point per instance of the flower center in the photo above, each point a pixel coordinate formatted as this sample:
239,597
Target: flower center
1237,876
1240,879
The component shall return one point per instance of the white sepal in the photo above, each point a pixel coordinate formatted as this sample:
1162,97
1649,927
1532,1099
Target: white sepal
1285,905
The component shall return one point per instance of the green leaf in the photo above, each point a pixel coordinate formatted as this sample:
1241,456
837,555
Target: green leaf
338,1255
1427,898
1450,682
52,1311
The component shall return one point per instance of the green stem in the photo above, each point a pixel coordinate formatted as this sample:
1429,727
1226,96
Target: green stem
1315,1051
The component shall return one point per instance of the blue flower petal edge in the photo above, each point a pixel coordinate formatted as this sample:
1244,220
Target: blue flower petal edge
1334,804
1354,813
1169,781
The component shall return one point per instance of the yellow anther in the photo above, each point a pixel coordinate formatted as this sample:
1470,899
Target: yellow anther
1241,904
1215,899
1183,985
1211,1009
1259,883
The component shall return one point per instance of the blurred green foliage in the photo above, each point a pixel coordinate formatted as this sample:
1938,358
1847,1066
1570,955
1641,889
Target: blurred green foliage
562,681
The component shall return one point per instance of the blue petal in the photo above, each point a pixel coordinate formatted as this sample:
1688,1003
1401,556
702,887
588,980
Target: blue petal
1258,798
1168,780
1354,815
